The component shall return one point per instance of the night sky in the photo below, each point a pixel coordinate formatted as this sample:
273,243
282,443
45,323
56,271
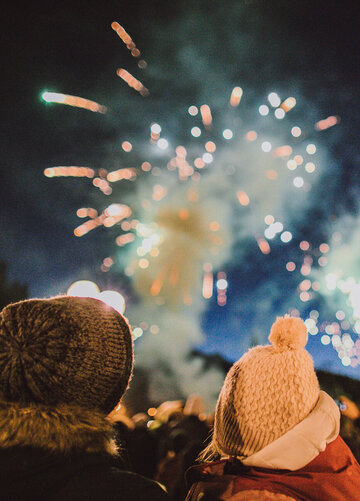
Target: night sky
196,53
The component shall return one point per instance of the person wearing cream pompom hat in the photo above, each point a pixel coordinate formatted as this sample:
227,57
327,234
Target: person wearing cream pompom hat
275,432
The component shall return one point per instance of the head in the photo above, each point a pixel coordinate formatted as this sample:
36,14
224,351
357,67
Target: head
64,350
266,393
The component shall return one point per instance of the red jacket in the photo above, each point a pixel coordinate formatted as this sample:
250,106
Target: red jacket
334,475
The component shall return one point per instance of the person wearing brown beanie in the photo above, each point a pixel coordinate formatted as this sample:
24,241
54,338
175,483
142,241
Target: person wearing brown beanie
65,363
275,432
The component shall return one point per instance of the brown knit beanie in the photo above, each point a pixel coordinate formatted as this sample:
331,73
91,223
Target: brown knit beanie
266,393
64,349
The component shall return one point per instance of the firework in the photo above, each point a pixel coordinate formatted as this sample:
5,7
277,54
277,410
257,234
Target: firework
78,102
132,81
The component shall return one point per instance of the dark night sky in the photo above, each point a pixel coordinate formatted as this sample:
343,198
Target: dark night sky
196,51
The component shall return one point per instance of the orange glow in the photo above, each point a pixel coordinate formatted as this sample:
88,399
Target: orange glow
208,285
264,246
124,239
199,163
159,192
271,174
132,81
72,171
152,411
181,151
288,104
78,102
327,122
304,245
251,135
146,166
126,146
236,96
214,226
283,151
183,214
243,198
290,266
125,37
206,115
118,175
210,147
156,286
324,248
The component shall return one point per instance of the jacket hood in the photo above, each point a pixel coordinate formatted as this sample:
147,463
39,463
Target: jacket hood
62,429
304,442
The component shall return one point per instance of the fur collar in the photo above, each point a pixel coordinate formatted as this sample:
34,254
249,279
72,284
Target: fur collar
62,428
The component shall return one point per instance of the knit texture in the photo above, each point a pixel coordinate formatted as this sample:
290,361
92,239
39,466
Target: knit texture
266,393
64,350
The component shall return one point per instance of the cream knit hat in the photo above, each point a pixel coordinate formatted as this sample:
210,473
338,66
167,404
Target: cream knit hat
266,393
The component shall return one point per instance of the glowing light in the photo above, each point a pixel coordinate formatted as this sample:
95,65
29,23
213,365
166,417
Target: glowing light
83,288
283,151
264,110
222,284
120,174
208,158
309,167
274,99
138,332
71,171
236,96
311,149
266,146
132,81
327,123
126,146
243,198
269,219
199,163
346,360
298,182
291,164
340,315
113,299
206,115
288,104
210,146
162,144
290,266
286,236
78,102
324,248
296,131
322,261
263,245
193,111
305,296
124,239
227,134
304,245
146,166
279,113
196,131
325,339
298,159
155,128
251,135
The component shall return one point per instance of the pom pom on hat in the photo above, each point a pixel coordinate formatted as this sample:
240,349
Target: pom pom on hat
288,332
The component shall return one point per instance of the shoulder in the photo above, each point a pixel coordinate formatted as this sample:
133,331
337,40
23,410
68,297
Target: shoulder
111,484
248,495
255,495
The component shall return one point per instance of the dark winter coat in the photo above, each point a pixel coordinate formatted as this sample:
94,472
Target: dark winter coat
64,454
